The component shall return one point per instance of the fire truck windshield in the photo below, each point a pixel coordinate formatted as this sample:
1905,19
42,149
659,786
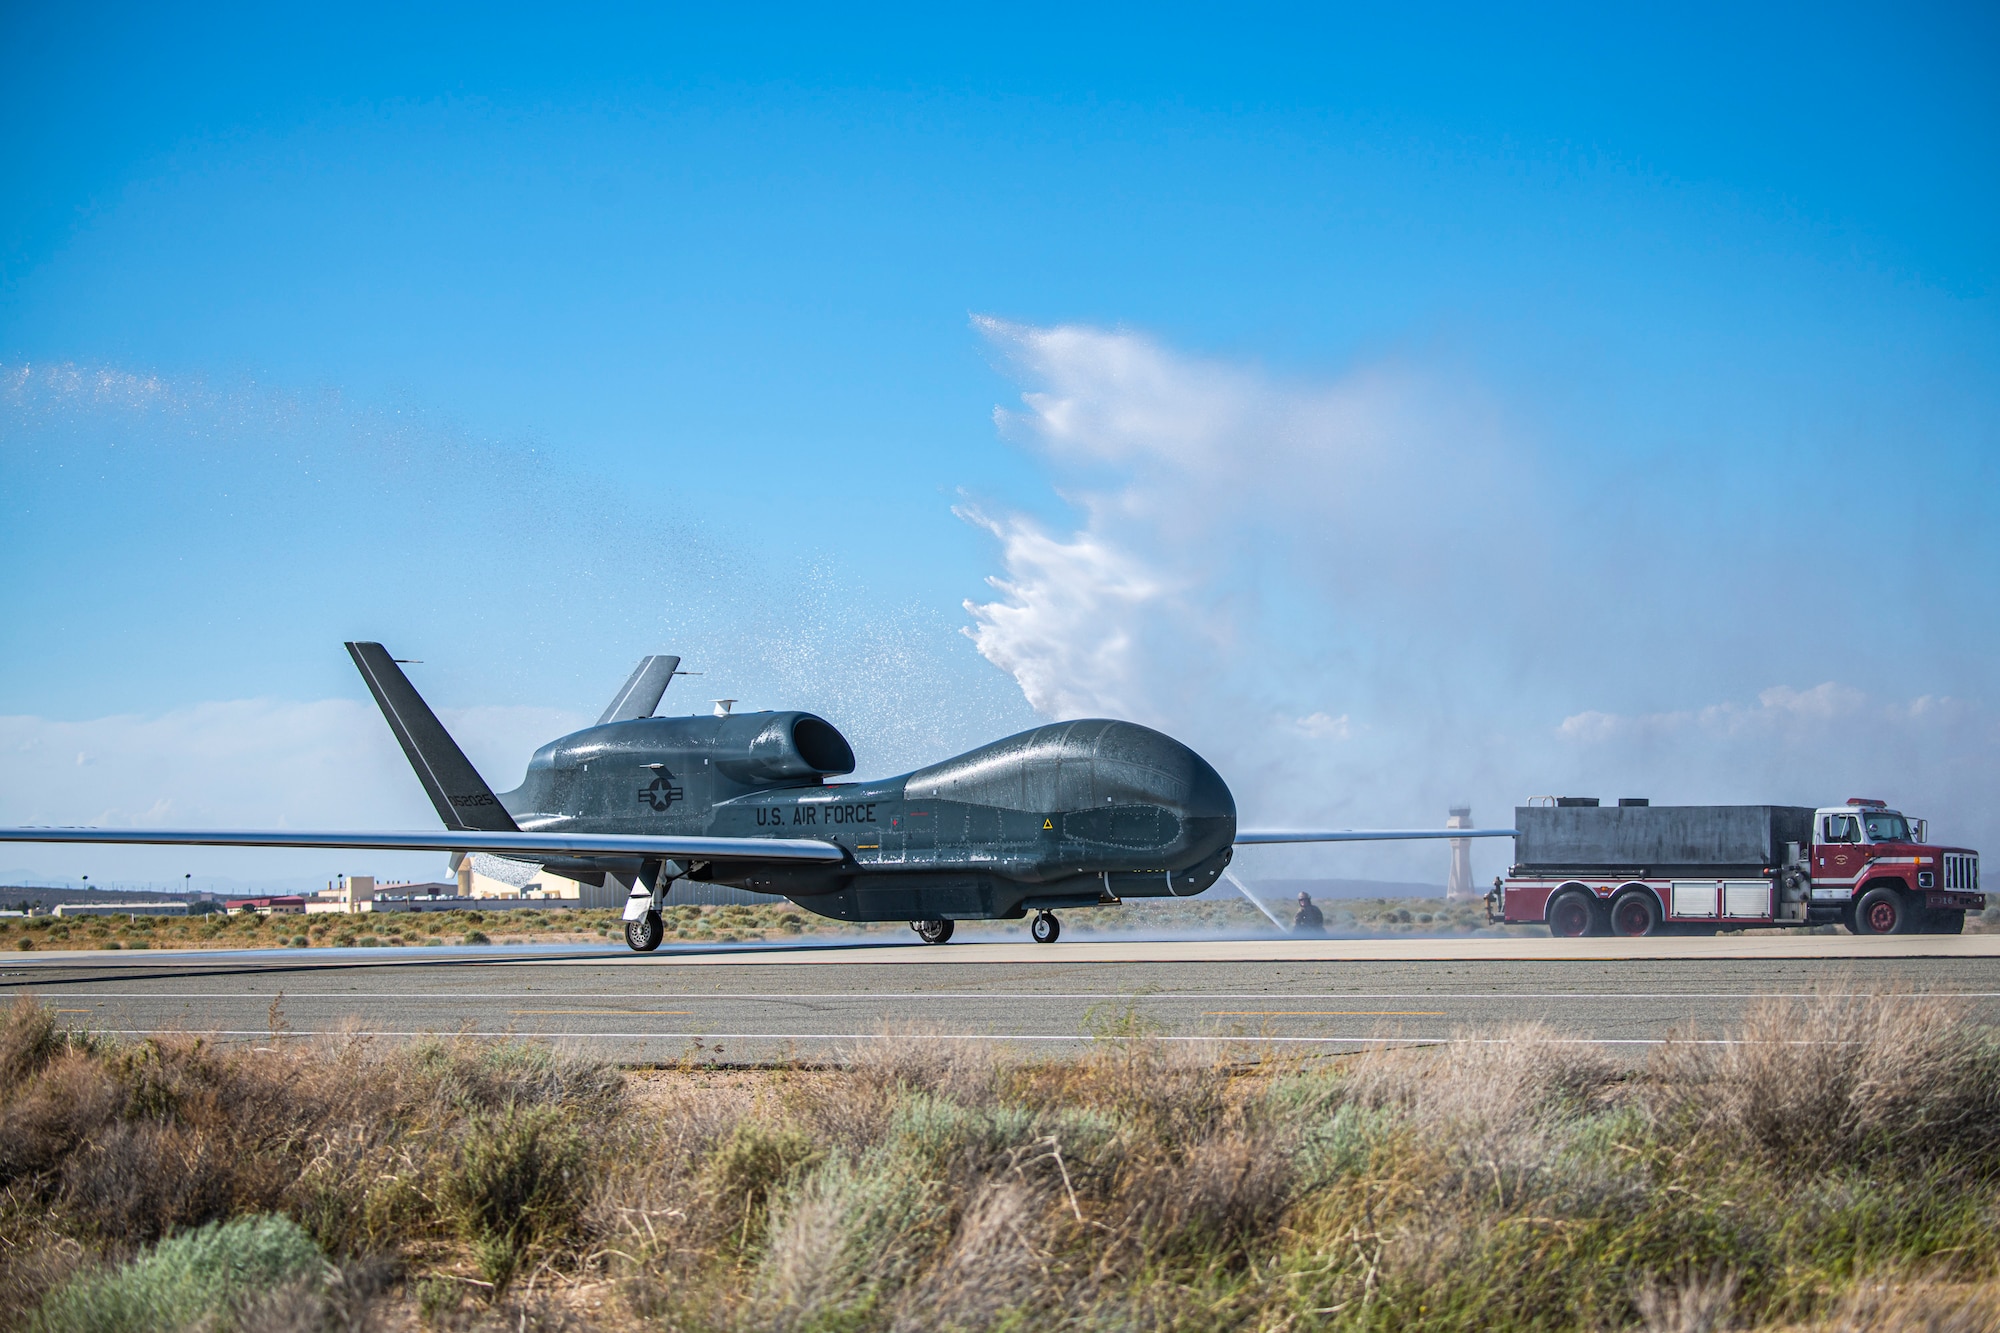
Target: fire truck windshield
1886,826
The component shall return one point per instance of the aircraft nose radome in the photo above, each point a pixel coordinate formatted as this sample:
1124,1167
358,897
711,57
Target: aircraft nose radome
1156,768
1210,797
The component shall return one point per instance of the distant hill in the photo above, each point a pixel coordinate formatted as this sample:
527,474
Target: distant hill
1273,889
14,896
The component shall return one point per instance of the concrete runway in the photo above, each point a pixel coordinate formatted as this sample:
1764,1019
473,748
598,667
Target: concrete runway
755,1004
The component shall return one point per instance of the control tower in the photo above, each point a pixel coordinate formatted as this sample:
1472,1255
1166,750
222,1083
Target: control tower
1459,886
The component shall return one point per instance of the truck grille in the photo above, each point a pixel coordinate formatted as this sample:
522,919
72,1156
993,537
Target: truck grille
1961,872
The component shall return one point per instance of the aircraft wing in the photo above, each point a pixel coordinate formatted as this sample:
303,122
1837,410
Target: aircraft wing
521,846
1254,836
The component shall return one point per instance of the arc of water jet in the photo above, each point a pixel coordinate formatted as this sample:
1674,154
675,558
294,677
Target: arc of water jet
1255,902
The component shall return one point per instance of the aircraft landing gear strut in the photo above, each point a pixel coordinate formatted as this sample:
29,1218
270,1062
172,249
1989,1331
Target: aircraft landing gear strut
1046,928
932,931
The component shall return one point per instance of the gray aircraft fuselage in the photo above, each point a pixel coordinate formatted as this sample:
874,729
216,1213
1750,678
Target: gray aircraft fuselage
1066,815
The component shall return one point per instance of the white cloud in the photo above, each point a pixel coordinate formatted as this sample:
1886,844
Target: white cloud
1238,531
1321,727
1781,708
1069,625
1381,560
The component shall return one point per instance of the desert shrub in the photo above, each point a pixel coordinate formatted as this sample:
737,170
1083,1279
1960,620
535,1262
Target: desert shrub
143,1179
518,1185
991,1274
1813,1082
846,1238
902,1061
745,1172
204,1277
476,937
29,1039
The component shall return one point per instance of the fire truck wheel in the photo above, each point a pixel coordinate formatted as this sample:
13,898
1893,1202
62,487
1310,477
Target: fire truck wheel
1942,922
1884,912
1573,914
1635,912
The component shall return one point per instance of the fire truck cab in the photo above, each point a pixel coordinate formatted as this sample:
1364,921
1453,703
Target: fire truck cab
1872,869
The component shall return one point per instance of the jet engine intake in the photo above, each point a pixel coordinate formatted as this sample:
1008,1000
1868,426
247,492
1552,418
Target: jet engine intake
759,749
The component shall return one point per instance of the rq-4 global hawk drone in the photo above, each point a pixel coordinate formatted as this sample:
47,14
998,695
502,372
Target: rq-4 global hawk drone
1075,814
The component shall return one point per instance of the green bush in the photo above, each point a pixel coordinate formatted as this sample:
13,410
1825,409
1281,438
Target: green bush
748,1169
476,937
518,1185
200,1278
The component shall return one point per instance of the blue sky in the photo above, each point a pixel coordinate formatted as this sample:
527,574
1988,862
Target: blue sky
1404,408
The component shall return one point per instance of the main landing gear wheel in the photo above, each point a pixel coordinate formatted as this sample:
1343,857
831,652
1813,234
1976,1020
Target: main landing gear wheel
932,931
1635,912
1046,928
645,934
1884,912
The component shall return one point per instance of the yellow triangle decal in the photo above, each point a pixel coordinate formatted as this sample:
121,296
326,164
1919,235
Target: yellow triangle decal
1048,823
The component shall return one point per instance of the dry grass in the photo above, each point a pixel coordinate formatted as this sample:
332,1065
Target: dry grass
1834,1170
1840,1078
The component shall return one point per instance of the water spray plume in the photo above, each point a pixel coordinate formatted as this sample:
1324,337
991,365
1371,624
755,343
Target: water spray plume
1255,901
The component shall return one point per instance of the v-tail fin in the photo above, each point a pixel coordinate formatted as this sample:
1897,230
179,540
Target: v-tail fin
642,690
463,800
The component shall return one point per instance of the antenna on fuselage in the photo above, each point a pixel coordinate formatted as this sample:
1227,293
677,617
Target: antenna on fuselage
722,706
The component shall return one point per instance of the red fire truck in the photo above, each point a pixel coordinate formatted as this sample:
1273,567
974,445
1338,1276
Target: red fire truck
1643,869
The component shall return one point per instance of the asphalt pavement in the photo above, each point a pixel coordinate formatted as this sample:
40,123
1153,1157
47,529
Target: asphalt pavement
753,1004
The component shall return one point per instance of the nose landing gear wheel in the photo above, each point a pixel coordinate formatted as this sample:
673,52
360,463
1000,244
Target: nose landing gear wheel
1046,928
932,931
645,934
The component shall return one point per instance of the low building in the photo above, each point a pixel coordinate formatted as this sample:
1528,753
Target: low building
349,893
275,905
116,909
